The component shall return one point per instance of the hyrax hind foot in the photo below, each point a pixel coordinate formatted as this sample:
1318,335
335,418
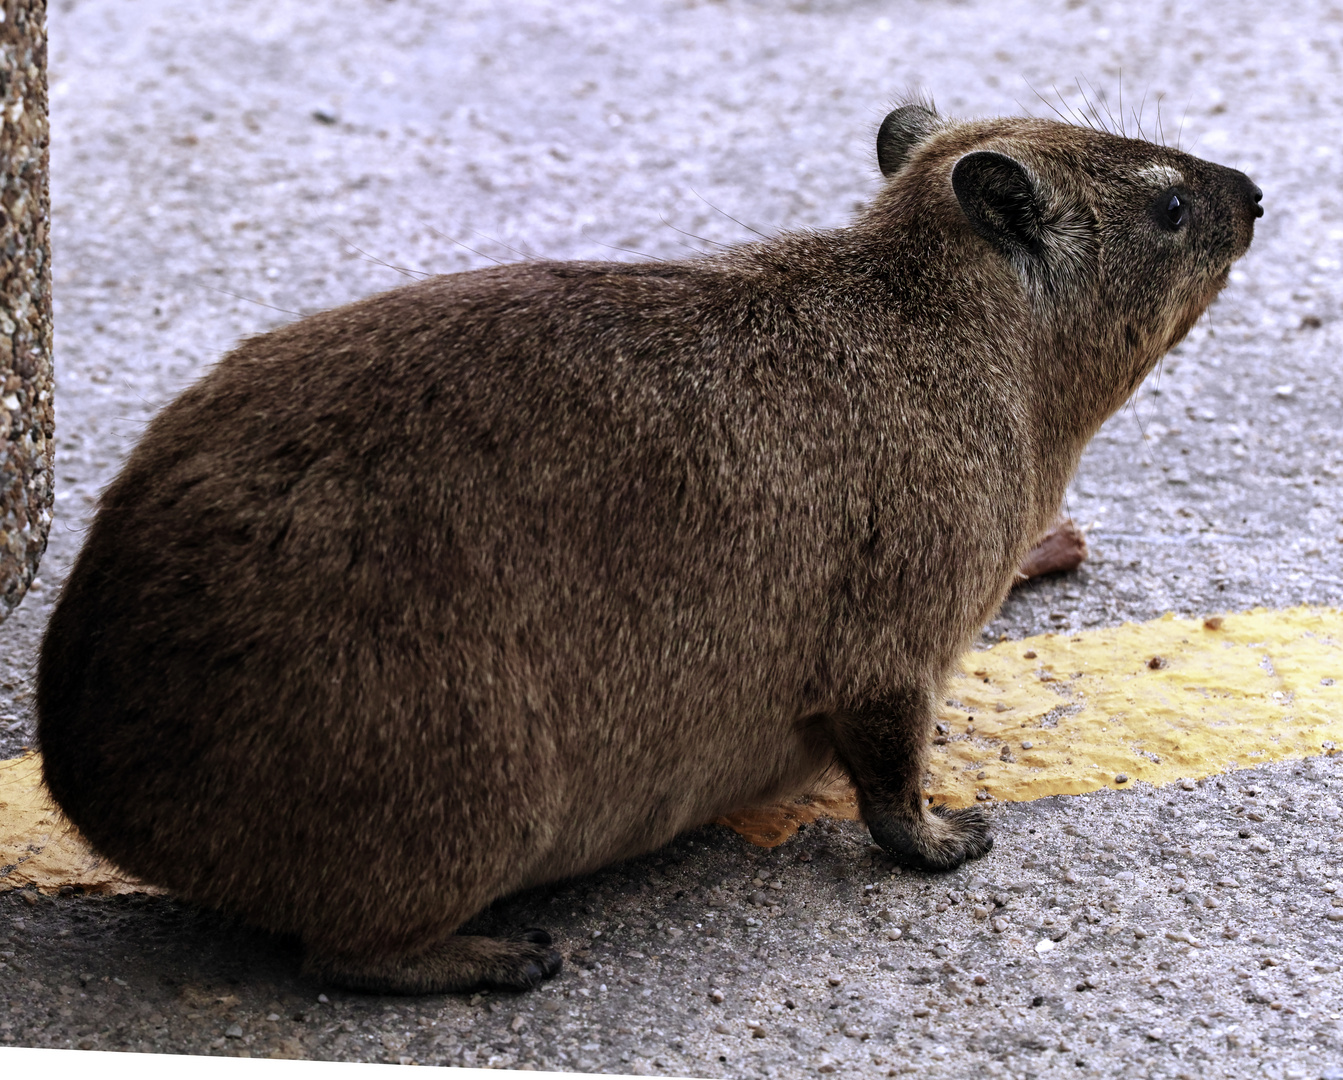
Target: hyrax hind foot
940,838
457,964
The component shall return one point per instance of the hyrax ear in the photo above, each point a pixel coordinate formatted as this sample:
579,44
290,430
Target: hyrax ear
1001,201
900,132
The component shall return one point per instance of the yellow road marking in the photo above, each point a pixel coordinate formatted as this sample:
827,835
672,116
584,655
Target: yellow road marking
38,846
1155,702
1060,714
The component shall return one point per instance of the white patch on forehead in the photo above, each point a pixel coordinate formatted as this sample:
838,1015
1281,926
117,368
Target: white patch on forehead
1160,175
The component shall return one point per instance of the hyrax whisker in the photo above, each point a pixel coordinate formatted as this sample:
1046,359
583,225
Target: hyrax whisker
735,221
460,244
616,247
404,271
694,236
250,300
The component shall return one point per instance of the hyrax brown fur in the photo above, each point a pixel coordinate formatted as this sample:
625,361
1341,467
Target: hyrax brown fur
502,576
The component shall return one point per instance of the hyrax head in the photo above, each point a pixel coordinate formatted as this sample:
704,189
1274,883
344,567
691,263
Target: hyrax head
1123,241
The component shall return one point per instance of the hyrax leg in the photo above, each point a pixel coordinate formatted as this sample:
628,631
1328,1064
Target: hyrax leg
459,963
884,746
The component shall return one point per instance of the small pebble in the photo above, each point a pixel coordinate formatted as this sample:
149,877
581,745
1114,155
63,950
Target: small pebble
722,1028
893,933
1121,778
834,980
233,1031
1042,946
716,996
1027,745
999,925
1188,785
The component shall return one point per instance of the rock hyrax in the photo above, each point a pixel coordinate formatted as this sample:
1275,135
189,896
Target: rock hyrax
499,577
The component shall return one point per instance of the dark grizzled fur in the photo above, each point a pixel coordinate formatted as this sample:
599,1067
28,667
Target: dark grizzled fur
499,577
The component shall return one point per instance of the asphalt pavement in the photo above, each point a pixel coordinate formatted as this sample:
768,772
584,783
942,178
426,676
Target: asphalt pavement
218,167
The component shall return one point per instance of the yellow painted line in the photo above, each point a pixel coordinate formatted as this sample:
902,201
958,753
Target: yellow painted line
1061,714
1056,714
38,846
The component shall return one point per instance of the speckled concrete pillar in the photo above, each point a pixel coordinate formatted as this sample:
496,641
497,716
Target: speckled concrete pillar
26,417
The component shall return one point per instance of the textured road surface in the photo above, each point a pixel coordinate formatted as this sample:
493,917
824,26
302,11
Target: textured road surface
205,153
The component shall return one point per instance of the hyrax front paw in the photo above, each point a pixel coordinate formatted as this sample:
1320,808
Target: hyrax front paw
941,838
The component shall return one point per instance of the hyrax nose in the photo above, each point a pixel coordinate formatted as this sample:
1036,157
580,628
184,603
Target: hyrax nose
1252,195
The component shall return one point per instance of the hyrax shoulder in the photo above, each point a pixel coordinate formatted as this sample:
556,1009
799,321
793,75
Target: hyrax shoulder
498,577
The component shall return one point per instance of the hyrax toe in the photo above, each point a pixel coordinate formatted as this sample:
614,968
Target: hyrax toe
939,839
458,964
968,830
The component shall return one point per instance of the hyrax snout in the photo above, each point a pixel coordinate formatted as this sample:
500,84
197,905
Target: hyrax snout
502,576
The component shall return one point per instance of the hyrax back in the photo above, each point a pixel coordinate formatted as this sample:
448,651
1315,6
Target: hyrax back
501,576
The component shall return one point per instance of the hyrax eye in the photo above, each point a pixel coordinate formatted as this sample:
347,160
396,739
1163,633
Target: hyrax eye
1172,211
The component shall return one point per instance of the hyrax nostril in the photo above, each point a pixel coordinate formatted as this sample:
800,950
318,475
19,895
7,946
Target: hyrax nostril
1256,196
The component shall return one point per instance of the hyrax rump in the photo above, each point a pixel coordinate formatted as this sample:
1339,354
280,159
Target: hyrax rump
504,575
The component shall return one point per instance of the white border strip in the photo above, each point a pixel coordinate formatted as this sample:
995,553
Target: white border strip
111,1065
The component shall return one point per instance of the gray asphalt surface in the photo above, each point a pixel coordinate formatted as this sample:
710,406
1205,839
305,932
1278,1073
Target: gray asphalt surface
204,153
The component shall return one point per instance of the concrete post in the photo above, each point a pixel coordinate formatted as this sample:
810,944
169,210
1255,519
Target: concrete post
27,445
